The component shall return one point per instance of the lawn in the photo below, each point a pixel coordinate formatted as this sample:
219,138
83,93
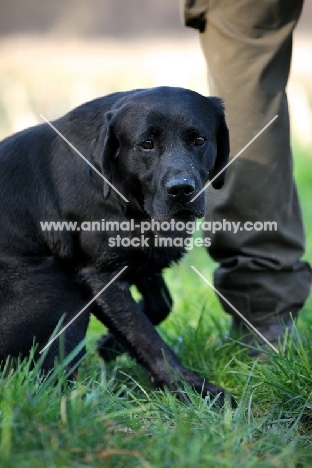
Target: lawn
113,417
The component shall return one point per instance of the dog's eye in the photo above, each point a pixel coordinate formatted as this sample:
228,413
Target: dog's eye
147,144
199,141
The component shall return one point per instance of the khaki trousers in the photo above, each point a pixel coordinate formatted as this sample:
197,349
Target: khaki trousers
247,45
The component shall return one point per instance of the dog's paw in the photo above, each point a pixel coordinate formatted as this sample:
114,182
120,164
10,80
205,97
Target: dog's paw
109,347
221,395
207,389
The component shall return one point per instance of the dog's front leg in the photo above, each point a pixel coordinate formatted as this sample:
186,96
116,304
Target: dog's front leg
156,304
116,309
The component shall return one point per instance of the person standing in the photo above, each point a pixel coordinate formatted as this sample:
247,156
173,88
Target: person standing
248,46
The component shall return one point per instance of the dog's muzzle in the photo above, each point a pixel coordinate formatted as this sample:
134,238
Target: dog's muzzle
180,188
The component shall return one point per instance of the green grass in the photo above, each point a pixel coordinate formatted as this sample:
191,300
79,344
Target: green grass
113,417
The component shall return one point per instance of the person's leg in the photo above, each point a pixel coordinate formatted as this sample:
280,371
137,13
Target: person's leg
247,46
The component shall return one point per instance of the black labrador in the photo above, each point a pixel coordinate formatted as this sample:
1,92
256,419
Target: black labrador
156,149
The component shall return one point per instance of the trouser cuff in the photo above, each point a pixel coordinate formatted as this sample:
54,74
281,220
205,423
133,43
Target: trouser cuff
258,312
264,297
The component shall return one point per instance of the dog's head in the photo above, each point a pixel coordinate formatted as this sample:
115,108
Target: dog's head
161,146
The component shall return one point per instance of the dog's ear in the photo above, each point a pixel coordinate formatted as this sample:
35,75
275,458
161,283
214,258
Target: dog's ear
223,144
105,151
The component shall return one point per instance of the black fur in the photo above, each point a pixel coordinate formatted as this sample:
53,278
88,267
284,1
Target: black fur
47,275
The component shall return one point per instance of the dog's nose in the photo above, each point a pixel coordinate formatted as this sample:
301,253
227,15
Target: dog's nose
180,187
